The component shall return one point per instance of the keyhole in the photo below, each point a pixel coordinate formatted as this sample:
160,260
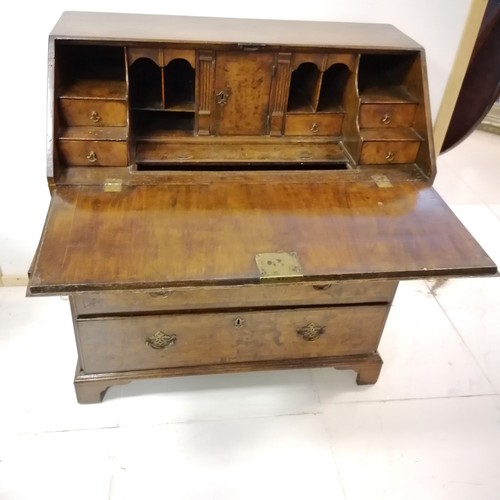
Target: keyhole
239,322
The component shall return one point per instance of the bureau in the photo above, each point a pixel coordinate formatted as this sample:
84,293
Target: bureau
231,195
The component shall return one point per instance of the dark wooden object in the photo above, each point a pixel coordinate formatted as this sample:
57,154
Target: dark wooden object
234,195
481,85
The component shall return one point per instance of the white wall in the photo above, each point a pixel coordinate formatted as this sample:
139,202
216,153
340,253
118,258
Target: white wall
435,24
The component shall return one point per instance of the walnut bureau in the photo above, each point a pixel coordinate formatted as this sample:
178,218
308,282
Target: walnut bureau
232,195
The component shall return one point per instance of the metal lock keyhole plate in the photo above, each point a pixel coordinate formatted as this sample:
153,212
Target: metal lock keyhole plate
222,97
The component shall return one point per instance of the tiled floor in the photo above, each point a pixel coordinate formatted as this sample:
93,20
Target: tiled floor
429,429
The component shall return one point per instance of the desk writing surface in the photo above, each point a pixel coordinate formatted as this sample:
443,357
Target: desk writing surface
168,235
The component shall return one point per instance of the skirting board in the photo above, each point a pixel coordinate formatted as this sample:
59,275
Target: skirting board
13,280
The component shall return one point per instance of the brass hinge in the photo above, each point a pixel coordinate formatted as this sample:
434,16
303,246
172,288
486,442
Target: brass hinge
113,185
382,181
278,265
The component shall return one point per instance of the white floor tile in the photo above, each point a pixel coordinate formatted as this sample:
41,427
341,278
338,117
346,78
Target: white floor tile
473,307
476,163
483,224
266,458
414,450
495,208
187,399
37,366
57,466
424,357
453,189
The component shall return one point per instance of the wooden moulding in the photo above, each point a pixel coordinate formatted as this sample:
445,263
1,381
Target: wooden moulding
92,388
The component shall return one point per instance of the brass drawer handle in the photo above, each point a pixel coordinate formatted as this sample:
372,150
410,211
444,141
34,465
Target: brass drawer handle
389,156
163,294
386,119
314,128
326,286
161,340
92,157
311,332
95,117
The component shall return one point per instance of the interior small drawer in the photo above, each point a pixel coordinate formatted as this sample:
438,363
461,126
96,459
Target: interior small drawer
314,124
389,152
387,115
116,344
93,153
276,294
93,112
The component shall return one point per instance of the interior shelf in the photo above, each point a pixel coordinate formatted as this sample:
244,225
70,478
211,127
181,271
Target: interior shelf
91,71
154,124
384,78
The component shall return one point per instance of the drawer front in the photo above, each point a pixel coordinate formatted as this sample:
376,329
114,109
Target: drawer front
93,112
313,124
387,115
166,341
278,294
93,153
387,152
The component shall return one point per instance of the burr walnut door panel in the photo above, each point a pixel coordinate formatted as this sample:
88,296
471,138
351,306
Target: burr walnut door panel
242,89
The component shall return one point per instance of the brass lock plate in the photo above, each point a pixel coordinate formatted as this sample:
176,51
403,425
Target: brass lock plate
278,265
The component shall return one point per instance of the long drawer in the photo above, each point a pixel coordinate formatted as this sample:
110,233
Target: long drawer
275,294
115,344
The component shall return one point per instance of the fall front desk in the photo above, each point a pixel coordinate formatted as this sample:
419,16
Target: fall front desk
232,195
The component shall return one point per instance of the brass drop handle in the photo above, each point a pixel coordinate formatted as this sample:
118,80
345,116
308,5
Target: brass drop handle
92,157
311,332
161,340
326,286
315,128
389,156
95,117
160,294
386,119
222,97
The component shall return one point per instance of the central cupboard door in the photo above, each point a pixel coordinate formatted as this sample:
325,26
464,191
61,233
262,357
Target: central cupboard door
242,89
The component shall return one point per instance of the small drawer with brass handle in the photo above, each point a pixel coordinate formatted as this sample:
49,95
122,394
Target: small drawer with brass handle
93,112
372,115
93,153
314,124
148,342
389,152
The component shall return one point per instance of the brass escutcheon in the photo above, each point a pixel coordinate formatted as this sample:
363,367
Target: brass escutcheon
238,322
311,332
389,156
161,340
314,128
222,97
